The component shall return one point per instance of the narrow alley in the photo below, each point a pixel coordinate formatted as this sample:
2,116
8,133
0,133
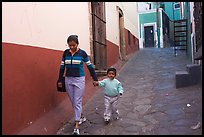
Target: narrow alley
156,48
150,105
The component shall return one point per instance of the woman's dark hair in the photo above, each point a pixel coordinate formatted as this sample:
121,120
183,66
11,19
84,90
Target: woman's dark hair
73,38
111,69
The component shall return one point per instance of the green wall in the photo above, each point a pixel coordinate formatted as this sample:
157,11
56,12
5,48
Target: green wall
168,8
147,18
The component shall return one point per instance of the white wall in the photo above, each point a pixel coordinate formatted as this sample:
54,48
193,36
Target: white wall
193,30
45,24
112,22
130,15
112,19
143,6
191,16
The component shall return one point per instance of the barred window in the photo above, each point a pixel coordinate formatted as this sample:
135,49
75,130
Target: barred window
176,5
129,37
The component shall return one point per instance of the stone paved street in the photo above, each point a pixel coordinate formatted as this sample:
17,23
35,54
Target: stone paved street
150,105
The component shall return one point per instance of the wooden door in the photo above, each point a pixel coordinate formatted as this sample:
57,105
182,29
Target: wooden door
149,36
99,35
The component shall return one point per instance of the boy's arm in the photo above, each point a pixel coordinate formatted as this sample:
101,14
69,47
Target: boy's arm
102,83
99,83
120,88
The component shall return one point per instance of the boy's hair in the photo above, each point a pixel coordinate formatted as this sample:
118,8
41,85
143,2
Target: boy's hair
111,69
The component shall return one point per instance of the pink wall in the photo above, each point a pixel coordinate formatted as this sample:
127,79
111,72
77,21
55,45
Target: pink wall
29,85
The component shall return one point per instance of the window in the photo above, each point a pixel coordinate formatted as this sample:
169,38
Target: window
176,5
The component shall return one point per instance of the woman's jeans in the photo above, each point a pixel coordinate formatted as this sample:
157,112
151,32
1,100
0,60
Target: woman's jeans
75,87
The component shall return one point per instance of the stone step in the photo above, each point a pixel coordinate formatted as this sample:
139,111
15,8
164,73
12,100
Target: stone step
182,79
101,72
191,76
194,71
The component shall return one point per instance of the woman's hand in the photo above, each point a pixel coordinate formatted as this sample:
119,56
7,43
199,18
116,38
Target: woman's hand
59,84
95,83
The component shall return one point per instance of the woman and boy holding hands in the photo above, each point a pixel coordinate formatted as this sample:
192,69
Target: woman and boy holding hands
75,82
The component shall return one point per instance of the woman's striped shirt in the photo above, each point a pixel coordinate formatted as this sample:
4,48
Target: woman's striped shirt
74,64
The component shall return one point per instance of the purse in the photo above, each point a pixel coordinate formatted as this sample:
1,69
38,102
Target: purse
61,89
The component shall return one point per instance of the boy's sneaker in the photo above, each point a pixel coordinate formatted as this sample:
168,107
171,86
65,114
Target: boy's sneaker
107,120
76,131
82,120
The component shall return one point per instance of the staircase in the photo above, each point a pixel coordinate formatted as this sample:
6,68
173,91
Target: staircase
191,76
101,73
180,35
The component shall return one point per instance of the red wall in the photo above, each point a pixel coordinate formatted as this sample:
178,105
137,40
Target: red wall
29,93
29,77
112,53
134,43
113,49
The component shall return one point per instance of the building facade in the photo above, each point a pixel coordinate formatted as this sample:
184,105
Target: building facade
153,25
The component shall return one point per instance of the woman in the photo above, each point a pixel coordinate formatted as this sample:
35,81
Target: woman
73,59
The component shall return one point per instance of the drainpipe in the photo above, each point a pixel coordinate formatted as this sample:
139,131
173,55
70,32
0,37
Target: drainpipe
158,23
188,30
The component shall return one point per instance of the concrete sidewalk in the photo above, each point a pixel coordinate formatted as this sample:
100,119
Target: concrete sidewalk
151,105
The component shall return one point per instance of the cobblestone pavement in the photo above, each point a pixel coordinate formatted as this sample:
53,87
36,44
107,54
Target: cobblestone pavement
151,105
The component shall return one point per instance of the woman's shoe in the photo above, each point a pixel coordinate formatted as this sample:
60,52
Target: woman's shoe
82,120
76,131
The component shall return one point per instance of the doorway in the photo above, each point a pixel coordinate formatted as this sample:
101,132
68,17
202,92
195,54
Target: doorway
121,35
149,36
99,34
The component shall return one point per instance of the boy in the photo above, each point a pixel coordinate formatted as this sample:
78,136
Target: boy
112,91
